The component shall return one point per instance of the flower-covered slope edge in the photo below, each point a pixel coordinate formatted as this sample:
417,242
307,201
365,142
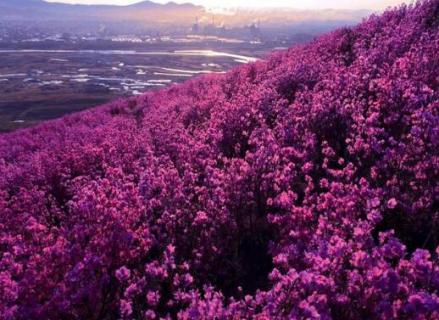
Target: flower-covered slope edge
300,187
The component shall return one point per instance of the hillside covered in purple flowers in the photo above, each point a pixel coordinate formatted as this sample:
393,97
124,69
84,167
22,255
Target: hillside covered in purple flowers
304,186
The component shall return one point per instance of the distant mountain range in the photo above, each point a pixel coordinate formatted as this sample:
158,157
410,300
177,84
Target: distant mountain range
146,10
155,16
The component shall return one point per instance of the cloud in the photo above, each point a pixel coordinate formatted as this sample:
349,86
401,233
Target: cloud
300,4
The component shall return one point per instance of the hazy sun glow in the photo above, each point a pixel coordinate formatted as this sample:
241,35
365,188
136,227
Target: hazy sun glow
300,4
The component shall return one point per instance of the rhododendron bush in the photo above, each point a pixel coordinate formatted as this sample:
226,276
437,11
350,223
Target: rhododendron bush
304,186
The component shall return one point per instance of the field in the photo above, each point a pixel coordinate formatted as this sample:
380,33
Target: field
40,84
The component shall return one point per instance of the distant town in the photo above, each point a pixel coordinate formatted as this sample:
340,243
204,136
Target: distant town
58,58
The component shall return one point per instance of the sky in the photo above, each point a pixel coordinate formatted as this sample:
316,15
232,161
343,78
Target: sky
299,4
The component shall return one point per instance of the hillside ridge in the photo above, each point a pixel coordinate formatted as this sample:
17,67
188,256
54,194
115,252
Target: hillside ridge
303,186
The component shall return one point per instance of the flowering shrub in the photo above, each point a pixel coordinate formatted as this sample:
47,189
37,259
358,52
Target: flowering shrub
300,187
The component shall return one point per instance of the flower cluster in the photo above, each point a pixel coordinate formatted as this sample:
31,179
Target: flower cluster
304,186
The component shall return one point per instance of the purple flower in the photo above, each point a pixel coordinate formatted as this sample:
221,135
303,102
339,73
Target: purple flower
123,274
